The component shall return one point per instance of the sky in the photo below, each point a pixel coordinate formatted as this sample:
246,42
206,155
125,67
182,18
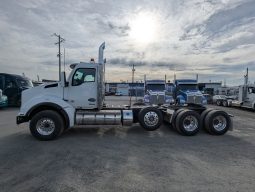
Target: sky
212,38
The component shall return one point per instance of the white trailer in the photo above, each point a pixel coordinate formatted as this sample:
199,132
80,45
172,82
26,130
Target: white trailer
79,101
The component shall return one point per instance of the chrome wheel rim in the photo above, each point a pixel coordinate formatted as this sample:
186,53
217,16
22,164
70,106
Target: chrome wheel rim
45,126
219,123
190,123
151,118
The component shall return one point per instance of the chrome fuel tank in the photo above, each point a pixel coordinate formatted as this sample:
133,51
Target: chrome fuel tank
104,117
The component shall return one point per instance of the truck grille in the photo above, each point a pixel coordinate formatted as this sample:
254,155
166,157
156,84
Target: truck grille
194,99
157,99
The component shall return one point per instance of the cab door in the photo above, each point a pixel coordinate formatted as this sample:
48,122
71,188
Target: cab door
82,90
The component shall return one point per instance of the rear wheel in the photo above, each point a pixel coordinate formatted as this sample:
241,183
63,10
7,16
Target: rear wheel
217,122
173,123
46,125
225,103
187,122
218,102
150,118
202,117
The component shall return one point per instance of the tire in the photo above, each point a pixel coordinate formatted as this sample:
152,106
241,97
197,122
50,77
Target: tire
202,117
150,118
218,102
217,122
188,122
44,120
173,124
225,103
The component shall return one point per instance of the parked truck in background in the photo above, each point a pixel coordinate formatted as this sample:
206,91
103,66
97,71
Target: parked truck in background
246,94
155,93
246,97
79,102
186,91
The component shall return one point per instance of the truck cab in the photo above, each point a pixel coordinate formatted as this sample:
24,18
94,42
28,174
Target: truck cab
186,91
155,93
246,96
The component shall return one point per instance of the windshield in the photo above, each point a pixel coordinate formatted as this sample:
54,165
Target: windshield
188,87
24,83
156,87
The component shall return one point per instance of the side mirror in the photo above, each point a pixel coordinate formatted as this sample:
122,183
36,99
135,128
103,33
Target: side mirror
63,79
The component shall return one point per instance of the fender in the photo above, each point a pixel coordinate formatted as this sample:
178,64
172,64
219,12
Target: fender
37,104
47,105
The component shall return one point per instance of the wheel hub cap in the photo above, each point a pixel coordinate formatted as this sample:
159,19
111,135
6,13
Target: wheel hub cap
219,123
45,126
151,118
190,123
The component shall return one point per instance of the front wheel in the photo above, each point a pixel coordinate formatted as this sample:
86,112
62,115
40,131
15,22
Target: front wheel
150,118
46,125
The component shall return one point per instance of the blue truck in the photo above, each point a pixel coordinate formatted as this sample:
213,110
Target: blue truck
155,93
186,91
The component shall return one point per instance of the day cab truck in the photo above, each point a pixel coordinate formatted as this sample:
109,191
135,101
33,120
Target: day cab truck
79,102
186,91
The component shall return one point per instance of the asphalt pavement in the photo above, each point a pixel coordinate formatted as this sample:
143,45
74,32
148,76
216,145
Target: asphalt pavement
127,158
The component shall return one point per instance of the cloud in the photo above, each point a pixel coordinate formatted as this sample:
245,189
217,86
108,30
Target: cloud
122,62
215,39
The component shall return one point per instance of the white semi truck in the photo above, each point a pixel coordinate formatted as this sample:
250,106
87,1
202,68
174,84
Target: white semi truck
246,97
246,94
79,101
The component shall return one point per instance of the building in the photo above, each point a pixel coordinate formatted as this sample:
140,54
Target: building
135,89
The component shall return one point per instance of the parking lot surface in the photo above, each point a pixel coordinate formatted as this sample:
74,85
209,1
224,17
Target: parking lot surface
127,158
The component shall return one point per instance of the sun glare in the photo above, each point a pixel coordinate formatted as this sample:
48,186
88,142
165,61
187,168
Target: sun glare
143,28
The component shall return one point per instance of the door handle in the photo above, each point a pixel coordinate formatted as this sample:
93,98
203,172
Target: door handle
91,99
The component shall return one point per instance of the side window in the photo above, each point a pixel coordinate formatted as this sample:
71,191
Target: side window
83,75
10,83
